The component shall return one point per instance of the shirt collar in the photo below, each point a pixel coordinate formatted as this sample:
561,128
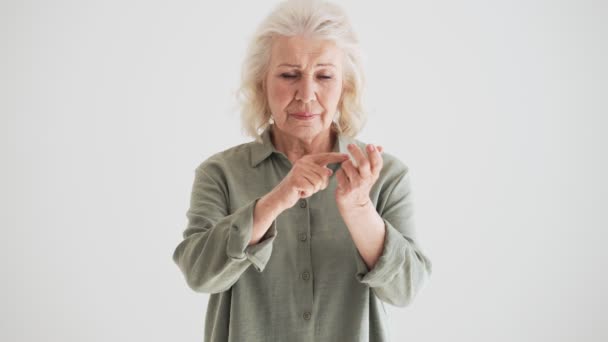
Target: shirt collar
263,150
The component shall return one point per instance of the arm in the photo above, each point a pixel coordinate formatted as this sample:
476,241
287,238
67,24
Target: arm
368,232
401,269
217,248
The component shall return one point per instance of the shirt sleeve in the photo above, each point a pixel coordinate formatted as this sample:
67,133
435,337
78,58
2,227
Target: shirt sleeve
402,268
214,251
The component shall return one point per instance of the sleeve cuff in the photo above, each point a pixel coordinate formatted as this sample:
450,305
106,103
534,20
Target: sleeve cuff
390,262
241,229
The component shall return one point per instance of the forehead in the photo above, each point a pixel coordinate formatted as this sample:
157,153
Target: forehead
304,51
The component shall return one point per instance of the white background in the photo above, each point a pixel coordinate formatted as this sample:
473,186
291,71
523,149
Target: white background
497,107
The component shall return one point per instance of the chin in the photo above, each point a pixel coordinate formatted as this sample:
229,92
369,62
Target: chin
307,131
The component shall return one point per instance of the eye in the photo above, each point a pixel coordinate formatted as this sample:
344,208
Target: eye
288,76
325,77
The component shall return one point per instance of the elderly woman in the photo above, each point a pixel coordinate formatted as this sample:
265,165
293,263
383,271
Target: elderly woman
304,233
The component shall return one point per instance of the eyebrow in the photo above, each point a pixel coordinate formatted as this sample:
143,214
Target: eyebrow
298,65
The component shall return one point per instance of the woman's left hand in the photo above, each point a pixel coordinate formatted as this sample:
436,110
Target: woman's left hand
355,183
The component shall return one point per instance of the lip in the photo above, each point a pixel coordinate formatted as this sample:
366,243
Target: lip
304,115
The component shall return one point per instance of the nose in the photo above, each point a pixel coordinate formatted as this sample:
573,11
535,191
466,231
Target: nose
305,91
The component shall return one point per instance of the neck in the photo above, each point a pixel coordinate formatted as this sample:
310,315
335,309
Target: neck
295,148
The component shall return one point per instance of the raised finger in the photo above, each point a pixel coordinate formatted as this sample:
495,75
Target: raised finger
351,172
363,165
342,180
375,159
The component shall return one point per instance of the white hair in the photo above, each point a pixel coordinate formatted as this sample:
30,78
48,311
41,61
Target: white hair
312,18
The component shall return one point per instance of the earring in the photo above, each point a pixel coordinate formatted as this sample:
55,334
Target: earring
271,120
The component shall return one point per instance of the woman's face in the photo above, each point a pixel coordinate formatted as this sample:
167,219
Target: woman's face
304,85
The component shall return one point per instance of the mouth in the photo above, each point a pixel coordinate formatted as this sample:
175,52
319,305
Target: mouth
304,115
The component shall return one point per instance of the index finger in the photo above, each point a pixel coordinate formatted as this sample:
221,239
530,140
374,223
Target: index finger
329,157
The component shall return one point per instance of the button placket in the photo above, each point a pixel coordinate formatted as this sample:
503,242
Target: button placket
304,267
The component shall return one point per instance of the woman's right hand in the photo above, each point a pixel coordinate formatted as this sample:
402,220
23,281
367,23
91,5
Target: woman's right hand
307,176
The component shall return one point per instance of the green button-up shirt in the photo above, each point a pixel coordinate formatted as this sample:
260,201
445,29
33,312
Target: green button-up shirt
305,280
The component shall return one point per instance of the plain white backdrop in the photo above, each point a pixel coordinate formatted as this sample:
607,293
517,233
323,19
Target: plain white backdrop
499,108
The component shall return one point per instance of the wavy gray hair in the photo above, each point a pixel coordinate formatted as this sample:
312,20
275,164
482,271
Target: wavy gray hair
316,19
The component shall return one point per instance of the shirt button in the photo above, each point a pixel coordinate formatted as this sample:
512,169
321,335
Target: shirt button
302,203
306,315
303,237
305,275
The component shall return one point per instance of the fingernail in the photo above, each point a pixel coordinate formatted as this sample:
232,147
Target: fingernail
370,148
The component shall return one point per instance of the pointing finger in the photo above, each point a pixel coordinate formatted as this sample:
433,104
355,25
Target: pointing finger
329,158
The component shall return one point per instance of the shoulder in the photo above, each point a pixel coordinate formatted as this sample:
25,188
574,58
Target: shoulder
235,157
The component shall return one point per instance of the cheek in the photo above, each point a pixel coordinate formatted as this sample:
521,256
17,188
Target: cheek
279,93
331,94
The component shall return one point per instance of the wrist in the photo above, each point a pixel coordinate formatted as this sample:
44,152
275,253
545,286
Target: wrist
273,201
265,212
355,216
356,207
